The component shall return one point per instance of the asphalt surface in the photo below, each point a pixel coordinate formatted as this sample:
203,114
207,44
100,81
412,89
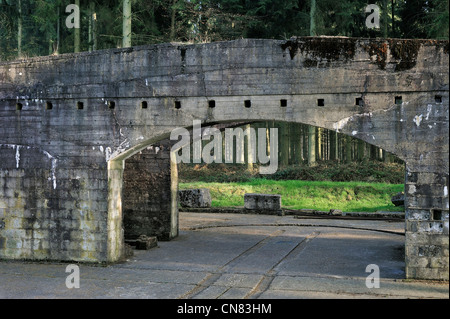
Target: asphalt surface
232,256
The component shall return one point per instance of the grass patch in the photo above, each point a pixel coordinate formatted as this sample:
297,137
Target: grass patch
296,194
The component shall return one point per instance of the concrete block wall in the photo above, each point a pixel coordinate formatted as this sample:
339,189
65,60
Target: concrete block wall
427,226
147,194
48,213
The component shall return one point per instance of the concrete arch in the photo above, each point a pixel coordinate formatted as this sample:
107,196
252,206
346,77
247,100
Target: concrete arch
108,105
153,172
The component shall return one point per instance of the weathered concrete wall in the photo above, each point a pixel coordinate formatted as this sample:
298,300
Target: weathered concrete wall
68,123
44,217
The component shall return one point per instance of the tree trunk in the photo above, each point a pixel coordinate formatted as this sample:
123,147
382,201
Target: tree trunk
172,21
300,142
92,27
312,15
284,149
319,144
388,158
385,18
76,44
393,17
333,146
348,149
19,29
360,150
296,143
305,130
58,30
126,40
50,45
311,146
249,147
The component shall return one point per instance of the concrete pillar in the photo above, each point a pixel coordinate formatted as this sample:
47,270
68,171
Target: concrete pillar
115,244
427,225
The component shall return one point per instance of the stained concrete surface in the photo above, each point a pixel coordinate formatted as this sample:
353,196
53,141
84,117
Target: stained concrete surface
241,257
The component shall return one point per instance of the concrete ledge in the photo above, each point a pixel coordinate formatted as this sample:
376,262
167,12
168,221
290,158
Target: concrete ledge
346,215
306,213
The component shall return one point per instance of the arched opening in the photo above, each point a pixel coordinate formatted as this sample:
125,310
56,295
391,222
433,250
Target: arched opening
146,179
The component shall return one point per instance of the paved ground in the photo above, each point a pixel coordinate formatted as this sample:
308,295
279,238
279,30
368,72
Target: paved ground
241,256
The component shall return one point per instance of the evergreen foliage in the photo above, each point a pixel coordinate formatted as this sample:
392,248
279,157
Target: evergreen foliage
37,27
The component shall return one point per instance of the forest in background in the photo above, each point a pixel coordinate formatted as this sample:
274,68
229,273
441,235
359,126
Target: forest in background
304,153
31,28
38,27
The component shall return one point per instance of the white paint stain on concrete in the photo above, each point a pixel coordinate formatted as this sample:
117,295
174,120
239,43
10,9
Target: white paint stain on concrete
341,124
17,147
53,170
47,154
445,191
429,109
108,153
418,119
122,148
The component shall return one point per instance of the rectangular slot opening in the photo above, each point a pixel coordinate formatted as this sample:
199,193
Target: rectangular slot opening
212,104
177,105
48,106
321,102
111,105
80,105
144,105
359,101
248,104
19,106
283,103
436,214
438,98
398,100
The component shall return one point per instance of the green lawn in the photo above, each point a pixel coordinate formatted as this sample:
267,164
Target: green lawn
346,196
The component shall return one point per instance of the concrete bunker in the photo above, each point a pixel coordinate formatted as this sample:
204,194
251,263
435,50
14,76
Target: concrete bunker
92,142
